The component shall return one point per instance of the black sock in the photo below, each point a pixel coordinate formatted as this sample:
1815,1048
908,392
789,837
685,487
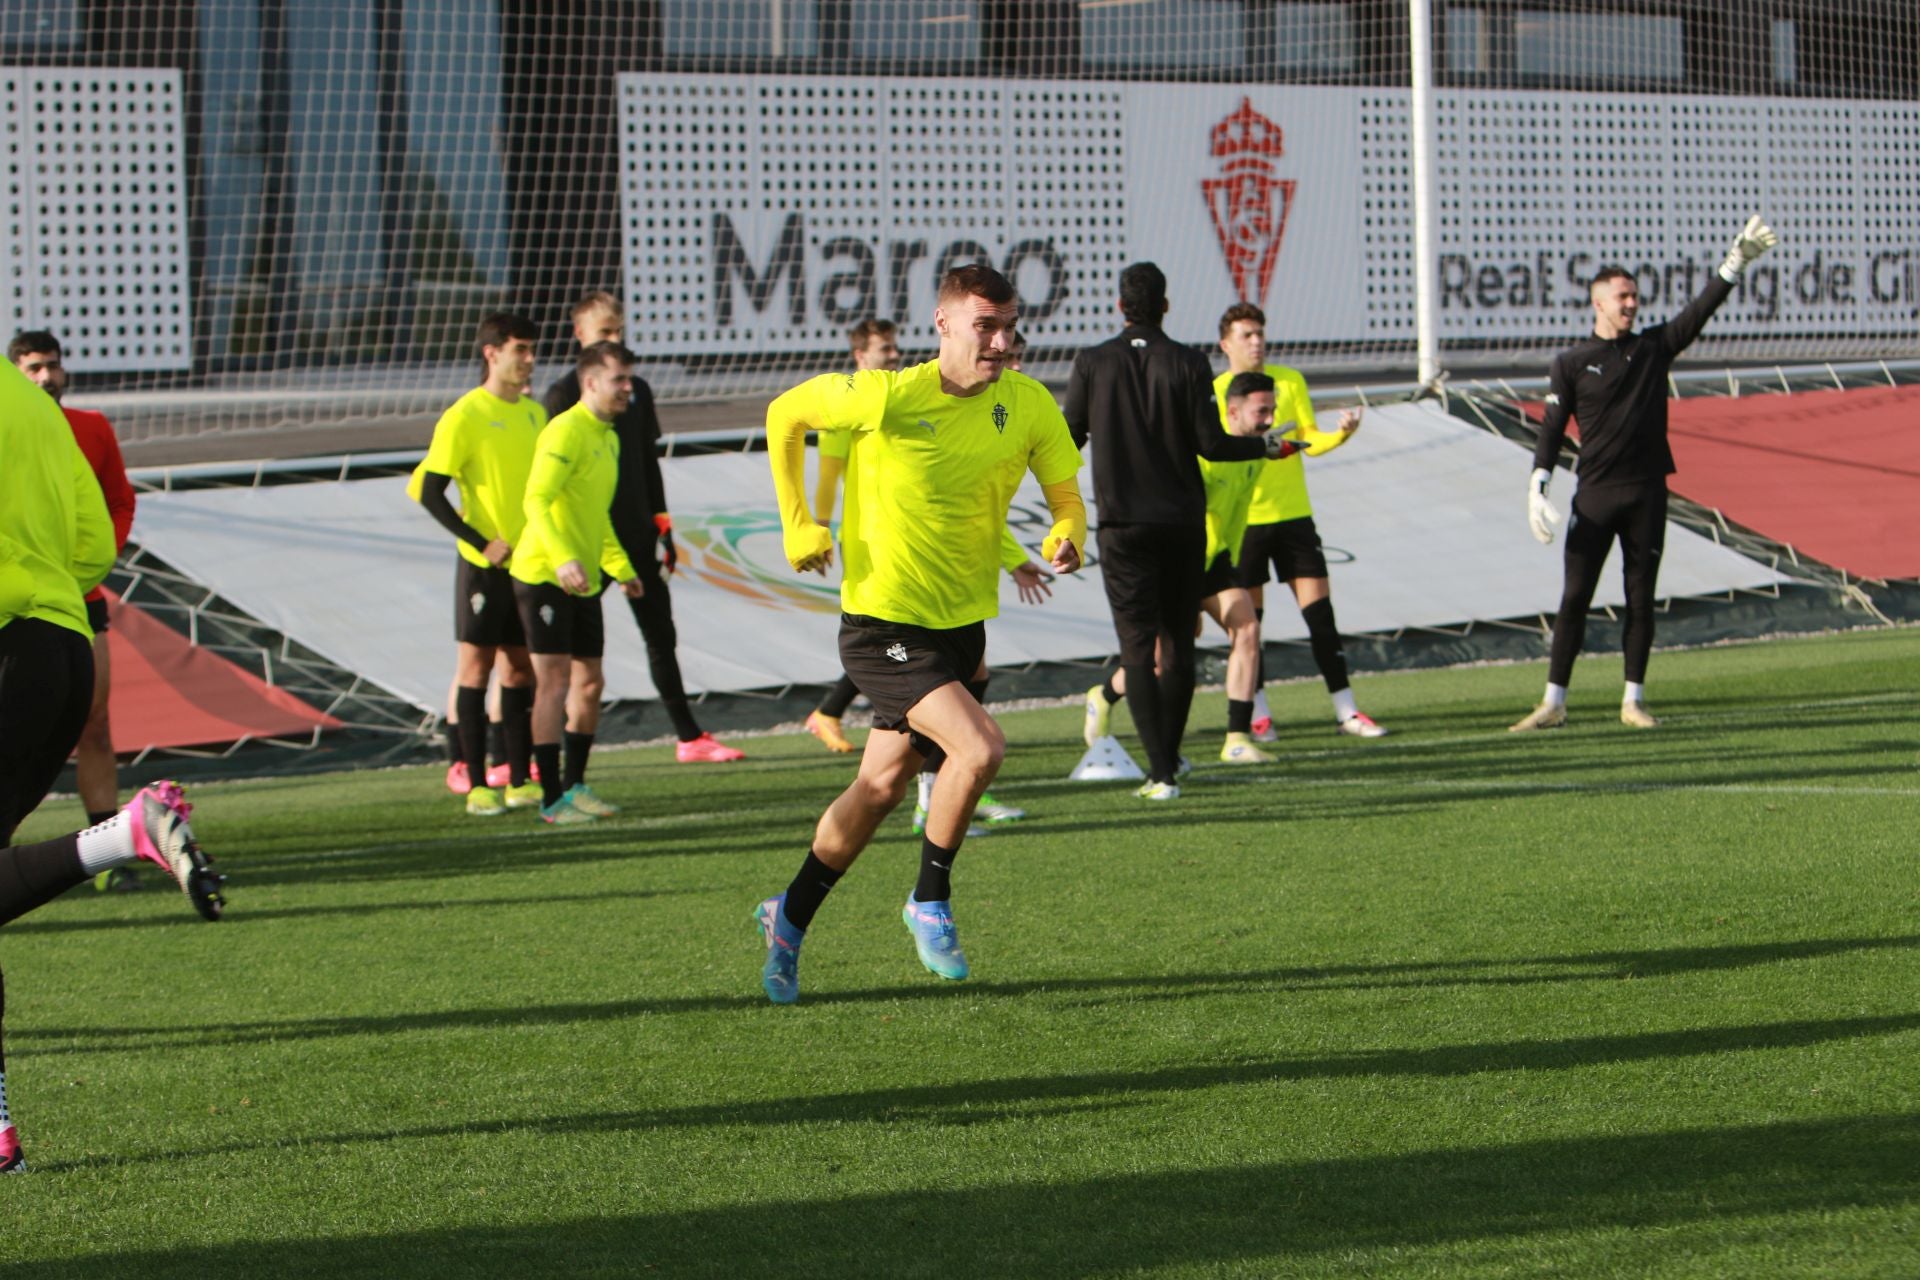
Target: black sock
516,725
471,706
32,875
1107,691
496,742
685,727
453,743
578,746
1324,638
936,868
97,816
1143,703
839,698
1239,715
551,786
808,890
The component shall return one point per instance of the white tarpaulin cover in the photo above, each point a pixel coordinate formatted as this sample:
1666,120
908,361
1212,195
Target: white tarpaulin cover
1423,516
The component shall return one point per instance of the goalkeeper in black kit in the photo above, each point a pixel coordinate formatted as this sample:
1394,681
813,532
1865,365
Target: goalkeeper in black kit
1615,384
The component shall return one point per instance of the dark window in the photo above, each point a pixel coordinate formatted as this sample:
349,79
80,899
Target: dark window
40,24
740,28
919,30
1622,47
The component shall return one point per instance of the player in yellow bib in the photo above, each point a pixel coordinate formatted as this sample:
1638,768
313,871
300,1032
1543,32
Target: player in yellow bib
484,443
941,449
568,542
1281,538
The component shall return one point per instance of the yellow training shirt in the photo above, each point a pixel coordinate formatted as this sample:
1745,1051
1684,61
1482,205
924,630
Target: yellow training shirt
1281,493
486,445
569,500
56,539
1230,487
926,507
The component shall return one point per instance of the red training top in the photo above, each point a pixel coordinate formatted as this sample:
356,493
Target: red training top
95,436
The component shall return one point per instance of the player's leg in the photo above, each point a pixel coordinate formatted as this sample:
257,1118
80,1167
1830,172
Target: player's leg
471,665
513,675
96,772
1128,569
588,682
653,611
1253,572
547,617
953,719
1643,539
1589,536
1232,608
823,722
1183,582
989,810
457,780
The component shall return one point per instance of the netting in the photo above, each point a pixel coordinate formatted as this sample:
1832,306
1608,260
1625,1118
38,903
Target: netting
250,217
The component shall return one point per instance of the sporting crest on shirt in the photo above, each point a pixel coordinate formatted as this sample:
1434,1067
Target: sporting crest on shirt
1000,418
1249,201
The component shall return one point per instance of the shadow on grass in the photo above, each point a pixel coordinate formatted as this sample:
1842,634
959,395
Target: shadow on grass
253,916
1297,1213
32,1041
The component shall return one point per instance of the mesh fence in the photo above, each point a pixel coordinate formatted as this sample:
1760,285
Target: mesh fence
252,216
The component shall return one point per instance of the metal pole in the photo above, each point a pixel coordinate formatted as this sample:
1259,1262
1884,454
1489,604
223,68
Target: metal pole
1426,320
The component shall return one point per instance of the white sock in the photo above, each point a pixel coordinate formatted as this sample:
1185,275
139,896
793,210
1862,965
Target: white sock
1260,711
926,789
108,845
1344,707
1556,696
1634,693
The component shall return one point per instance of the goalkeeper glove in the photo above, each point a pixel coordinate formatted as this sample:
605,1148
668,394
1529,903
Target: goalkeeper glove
669,557
1278,446
1754,239
1541,517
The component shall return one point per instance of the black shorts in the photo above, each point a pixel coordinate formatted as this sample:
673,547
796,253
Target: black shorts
557,622
896,663
483,608
97,615
1220,575
1290,548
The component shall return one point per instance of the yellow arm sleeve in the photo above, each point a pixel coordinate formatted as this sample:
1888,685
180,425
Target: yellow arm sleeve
826,491
614,561
93,544
1069,517
802,537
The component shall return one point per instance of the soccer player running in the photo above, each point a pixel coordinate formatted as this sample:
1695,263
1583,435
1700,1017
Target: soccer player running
942,449
1147,404
484,442
1615,384
875,346
644,529
96,773
568,542
1281,539
56,544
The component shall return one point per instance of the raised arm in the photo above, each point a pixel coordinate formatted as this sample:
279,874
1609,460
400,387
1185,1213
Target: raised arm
1753,240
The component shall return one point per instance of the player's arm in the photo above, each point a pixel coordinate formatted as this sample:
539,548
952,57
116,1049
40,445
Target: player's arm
817,404
116,488
93,547
1306,430
430,491
1075,409
615,562
826,489
1752,240
1211,440
1541,515
553,463
1055,463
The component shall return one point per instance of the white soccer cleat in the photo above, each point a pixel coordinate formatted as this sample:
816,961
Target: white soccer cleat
1636,716
161,836
1360,725
1158,791
1541,717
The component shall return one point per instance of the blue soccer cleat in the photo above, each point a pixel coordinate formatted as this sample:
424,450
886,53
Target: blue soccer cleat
780,976
938,942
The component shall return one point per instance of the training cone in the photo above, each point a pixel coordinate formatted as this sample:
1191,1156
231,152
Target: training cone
1107,761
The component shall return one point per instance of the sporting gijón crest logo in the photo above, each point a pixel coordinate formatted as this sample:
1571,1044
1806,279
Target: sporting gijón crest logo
1000,418
1249,203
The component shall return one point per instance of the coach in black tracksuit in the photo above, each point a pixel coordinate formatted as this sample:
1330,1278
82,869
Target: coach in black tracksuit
639,514
1147,403
1615,384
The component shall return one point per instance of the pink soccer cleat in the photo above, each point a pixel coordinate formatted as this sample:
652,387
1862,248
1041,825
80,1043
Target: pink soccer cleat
161,836
705,750
11,1161
457,780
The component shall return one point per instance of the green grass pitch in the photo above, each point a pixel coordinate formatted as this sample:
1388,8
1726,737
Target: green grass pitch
1455,1003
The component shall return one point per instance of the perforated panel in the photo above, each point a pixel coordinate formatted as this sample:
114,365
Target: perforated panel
775,211
16,215
1386,216
1069,202
105,167
1888,220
